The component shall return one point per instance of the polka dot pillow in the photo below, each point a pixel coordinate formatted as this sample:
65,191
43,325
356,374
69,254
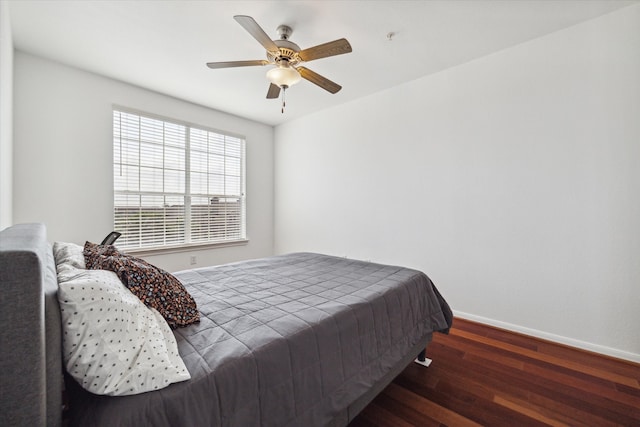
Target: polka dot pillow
112,343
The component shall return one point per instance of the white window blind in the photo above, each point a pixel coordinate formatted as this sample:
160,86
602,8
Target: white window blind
176,184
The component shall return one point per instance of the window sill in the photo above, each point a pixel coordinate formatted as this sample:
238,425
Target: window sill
184,248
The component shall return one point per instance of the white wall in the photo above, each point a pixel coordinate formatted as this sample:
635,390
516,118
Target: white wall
63,171
513,181
6,116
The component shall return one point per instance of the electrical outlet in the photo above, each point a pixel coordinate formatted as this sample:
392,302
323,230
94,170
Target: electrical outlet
193,260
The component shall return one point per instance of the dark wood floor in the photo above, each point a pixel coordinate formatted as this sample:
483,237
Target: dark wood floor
486,376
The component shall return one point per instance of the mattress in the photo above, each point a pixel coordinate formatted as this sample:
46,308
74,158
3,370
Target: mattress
283,341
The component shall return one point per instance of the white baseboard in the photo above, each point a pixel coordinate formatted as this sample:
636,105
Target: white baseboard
608,351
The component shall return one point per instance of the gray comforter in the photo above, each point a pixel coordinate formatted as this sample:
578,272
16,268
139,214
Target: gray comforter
283,341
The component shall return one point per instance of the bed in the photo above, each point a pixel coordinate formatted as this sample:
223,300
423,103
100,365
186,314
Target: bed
298,339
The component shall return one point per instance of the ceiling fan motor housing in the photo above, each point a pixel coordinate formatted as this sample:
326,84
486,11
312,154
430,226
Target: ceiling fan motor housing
288,51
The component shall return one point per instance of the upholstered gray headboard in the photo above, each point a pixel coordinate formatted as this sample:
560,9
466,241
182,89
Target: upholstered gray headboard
30,359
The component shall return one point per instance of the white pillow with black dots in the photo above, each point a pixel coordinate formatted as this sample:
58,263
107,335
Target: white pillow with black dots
112,343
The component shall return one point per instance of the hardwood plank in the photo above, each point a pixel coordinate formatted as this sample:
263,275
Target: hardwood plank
464,400
609,399
571,414
524,408
496,333
406,412
483,375
594,398
622,367
430,409
570,364
379,416
570,392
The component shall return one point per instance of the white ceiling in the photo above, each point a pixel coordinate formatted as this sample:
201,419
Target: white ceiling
164,45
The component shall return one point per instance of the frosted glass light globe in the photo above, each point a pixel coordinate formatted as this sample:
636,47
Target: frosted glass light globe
283,76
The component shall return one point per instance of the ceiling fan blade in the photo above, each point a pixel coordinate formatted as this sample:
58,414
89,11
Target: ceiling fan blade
336,47
231,64
317,79
273,92
249,24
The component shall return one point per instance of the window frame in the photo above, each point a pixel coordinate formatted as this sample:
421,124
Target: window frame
185,245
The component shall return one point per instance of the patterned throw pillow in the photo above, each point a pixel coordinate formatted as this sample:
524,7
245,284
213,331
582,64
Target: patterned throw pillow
152,285
93,254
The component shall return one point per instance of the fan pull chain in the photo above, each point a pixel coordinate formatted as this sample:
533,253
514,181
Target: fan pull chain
284,104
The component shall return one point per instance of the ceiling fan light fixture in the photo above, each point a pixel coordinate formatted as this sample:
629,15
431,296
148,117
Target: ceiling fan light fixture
283,75
286,56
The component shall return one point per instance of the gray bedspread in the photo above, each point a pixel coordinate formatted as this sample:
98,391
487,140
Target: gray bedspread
283,341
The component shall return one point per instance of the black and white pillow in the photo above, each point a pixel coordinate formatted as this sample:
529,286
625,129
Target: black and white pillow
112,343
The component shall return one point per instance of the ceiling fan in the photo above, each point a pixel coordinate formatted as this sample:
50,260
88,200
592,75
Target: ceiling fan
287,57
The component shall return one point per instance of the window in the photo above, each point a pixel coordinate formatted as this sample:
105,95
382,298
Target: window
176,184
